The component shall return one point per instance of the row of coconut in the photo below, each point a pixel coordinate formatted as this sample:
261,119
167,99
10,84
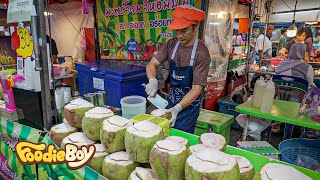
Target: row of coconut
126,148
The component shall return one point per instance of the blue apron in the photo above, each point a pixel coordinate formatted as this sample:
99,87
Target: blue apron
180,84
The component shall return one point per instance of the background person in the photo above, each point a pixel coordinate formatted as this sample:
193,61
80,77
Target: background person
264,44
300,37
295,66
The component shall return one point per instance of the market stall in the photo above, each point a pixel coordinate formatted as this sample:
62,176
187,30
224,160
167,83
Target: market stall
109,123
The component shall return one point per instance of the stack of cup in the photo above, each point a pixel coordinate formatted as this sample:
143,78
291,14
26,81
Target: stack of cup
97,99
101,98
91,97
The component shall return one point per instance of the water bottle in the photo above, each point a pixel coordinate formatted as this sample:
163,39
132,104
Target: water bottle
268,96
258,92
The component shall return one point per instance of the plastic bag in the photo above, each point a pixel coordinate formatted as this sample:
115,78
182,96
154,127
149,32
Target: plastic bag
255,125
310,102
308,162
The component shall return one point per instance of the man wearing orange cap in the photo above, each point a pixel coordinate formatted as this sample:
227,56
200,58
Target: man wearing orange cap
189,65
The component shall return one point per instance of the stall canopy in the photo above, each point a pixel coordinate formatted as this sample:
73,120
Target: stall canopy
282,11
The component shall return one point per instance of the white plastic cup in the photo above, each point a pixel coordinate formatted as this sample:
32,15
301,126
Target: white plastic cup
67,94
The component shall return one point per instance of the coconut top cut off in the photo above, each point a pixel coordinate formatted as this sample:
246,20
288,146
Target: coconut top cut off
99,112
178,139
63,128
170,147
197,147
116,123
121,158
211,160
143,174
276,171
100,150
144,129
244,163
213,140
158,112
78,138
78,103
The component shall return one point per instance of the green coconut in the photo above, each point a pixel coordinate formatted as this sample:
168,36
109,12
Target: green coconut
118,166
211,164
167,159
92,120
196,148
77,138
75,110
112,133
140,138
179,140
246,168
60,131
161,113
96,162
276,171
142,174
213,140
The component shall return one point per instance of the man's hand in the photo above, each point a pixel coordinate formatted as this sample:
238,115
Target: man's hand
174,113
152,87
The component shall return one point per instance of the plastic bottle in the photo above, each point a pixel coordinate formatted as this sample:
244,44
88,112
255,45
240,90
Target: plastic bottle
258,92
268,97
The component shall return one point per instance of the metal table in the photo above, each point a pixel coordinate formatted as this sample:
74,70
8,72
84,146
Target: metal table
282,111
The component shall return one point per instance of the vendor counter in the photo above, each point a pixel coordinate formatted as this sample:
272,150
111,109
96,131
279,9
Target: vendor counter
12,133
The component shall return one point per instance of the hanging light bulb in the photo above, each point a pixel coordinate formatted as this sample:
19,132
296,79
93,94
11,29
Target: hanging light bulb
292,30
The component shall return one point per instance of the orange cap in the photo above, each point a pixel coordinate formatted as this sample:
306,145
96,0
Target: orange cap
184,16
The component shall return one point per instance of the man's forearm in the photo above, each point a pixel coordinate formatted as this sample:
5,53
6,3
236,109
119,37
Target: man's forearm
152,68
191,96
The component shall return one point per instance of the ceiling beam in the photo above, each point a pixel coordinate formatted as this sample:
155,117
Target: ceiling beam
298,10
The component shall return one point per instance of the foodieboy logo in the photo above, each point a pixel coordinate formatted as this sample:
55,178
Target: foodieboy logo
74,157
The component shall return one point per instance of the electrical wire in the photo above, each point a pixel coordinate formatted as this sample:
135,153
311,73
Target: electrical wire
287,5
295,8
70,21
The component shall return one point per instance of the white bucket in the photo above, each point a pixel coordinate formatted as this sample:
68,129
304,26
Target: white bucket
132,106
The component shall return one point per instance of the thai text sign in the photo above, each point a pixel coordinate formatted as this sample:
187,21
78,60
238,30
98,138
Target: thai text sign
143,21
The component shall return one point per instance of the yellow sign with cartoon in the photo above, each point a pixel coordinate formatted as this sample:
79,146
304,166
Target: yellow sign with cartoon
22,42
74,157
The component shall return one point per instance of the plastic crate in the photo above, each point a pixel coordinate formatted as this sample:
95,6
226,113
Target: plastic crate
117,79
162,122
256,160
227,107
233,64
209,121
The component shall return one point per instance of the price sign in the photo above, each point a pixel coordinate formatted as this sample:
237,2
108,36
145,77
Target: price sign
98,83
19,10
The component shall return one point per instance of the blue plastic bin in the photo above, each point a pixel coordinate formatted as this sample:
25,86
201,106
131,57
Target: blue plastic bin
227,107
117,79
291,148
